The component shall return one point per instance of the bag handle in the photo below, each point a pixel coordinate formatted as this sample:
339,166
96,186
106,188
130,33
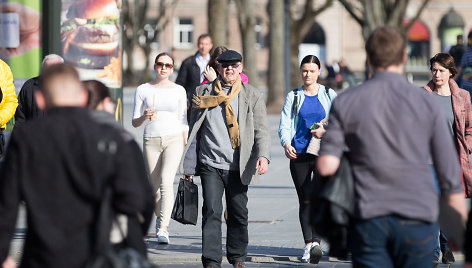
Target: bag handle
187,178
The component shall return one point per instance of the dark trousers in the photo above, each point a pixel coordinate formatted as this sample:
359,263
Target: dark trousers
214,183
304,175
392,241
442,245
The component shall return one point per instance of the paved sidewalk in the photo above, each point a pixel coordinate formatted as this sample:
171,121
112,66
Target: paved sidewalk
275,237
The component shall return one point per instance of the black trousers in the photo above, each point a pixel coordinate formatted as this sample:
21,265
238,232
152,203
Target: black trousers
305,175
214,183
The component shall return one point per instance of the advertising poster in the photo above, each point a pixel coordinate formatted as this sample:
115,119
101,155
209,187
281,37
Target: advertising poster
20,38
91,41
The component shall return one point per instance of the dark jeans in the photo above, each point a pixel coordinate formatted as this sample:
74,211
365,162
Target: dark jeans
214,183
304,175
393,241
441,246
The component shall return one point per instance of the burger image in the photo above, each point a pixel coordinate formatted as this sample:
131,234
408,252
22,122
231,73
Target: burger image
90,34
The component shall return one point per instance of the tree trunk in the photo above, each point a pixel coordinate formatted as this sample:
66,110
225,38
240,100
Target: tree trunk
218,22
247,23
276,76
295,40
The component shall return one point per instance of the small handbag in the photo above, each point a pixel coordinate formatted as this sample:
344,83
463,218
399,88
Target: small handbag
185,208
314,145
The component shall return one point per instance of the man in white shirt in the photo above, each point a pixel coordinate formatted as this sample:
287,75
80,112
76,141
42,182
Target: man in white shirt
191,71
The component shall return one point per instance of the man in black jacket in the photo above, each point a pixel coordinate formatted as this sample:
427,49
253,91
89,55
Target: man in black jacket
60,166
191,71
27,108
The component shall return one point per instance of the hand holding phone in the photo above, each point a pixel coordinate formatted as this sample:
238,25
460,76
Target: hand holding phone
314,126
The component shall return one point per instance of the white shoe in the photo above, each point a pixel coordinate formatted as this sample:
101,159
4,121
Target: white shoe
162,236
306,254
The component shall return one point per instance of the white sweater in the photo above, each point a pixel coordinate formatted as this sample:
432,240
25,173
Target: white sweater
170,109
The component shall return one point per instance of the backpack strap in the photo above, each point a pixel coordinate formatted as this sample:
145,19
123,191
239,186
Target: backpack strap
295,102
327,92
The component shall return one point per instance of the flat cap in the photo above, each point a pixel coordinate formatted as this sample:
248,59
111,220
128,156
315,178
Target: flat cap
229,56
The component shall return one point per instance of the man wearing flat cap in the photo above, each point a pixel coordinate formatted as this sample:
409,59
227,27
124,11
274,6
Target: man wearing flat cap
228,146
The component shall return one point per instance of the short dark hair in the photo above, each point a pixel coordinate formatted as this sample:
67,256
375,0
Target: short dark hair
385,47
163,54
311,59
446,61
215,54
469,36
97,93
53,71
205,35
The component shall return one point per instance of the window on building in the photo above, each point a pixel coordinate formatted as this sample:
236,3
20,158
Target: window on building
259,36
183,35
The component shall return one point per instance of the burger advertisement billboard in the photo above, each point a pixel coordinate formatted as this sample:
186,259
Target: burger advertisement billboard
91,39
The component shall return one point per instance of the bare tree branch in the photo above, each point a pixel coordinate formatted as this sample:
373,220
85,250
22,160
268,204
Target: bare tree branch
350,9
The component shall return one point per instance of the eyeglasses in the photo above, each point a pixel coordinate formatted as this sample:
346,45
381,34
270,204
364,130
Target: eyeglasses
161,65
233,65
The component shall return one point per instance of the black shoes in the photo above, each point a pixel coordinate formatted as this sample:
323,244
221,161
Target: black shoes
448,257
315,254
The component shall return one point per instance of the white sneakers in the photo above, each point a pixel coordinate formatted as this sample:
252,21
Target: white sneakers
312,254
162,236
306,254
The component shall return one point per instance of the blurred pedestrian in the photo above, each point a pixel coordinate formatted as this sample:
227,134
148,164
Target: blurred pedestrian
305,106
211,71
468,243
458,50
464,72
8,102
346,73
191,71
102,109
392,129
457,108
60,166
229,145
27,108
162,106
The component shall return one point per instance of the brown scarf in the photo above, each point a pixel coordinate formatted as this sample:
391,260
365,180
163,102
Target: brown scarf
203,102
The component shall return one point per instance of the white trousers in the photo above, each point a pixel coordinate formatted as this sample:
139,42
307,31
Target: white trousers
163,156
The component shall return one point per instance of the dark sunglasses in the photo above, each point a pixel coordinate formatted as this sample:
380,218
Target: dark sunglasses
161,65
226,65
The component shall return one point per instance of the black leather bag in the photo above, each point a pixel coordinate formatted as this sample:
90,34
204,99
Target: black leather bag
333,206
185,208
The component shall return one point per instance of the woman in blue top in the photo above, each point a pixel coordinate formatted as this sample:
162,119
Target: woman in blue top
304,106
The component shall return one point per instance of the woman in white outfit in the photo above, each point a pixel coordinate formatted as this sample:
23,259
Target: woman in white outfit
162,106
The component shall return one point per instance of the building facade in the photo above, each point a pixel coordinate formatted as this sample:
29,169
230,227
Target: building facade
334,35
